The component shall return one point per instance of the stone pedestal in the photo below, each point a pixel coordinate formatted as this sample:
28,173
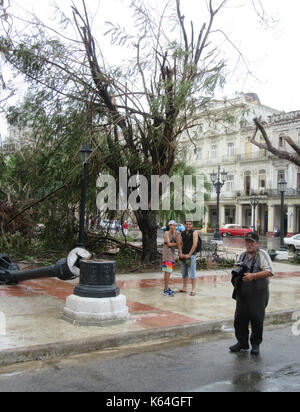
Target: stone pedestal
95,311
97,299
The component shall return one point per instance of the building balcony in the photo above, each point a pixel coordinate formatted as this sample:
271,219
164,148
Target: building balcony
290,192
250,157
218,160
262,194
234,158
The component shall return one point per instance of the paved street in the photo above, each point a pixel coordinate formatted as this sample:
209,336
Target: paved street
172,351
199,365
32,324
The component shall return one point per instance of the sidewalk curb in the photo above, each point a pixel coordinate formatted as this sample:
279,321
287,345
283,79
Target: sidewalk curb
60,349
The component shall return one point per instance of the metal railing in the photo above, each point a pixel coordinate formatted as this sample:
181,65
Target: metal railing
245,157
265,193
290,192
234,158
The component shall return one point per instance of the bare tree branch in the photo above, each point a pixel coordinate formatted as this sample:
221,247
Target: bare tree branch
294,158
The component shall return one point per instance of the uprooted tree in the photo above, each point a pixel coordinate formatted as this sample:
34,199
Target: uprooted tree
132,117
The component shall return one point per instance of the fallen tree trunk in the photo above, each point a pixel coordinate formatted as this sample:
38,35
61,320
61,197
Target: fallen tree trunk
107,238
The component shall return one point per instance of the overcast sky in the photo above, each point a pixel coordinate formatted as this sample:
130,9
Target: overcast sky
271,52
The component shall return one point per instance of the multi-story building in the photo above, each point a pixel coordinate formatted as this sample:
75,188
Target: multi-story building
223,139
18,137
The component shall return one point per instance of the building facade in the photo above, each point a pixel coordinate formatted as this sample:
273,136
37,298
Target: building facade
18,137
223,139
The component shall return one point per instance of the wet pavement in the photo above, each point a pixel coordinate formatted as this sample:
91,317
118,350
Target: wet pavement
192,365
31,324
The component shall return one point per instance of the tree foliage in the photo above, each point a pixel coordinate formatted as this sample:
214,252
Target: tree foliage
132,116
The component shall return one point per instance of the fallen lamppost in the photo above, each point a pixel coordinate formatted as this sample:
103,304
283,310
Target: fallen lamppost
64,269
96,300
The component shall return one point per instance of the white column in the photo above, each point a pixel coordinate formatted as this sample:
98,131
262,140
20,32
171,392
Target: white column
271,217
206,218
238,214
222,215
291,219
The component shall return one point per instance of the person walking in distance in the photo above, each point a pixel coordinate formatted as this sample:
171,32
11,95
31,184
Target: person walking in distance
168,255
187,253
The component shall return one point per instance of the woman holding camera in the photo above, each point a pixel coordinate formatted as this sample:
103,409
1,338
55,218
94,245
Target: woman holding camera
251,293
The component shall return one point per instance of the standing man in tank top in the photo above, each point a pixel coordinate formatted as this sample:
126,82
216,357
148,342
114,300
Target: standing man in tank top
187,252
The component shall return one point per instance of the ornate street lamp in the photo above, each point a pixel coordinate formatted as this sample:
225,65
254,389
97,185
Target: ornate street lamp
218,180
282,185
254,202
85,152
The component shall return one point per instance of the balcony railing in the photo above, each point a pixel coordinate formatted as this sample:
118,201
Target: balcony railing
290,192
233,158
246,157
265,193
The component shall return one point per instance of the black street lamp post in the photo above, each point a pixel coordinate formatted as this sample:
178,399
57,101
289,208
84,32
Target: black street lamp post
85,152
96,279
254,202
282,185
218,183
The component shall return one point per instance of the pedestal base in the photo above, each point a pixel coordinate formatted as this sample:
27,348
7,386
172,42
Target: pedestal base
95,311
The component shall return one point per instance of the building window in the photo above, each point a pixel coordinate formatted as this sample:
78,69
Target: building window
262,181
281,175
281,141
230,149
198,153
214,151
229,183
247,183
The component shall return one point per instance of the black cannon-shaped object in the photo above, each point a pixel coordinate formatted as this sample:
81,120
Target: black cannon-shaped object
64,269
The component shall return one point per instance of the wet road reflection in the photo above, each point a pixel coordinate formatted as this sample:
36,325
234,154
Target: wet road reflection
286,379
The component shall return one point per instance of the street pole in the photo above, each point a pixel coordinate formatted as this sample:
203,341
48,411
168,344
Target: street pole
82,207
254,203
282,185
282,247
218,180
85,152
217,235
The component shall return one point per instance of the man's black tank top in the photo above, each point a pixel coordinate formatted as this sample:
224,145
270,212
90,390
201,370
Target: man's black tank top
187,241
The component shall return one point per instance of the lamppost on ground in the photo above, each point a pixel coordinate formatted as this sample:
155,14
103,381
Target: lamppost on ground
254,202
282,185
85,152
215,179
